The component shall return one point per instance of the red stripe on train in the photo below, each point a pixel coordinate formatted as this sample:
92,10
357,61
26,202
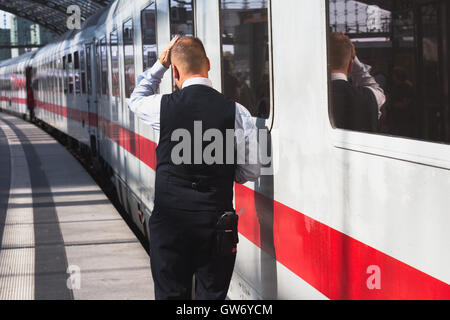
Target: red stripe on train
329,260
139,146
14,100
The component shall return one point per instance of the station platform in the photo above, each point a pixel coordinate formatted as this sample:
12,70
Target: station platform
60,237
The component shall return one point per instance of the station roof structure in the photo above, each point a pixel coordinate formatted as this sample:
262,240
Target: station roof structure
52,14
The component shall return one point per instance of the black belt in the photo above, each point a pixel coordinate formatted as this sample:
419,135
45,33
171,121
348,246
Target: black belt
198,184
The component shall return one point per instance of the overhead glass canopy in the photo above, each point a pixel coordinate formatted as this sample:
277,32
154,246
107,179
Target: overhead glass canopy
51,14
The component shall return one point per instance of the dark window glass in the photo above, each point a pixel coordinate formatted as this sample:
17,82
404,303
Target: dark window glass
88,69
60,76
181,18
76,65
34,78
115,64
63,75
128,49
54,79
148,26
69,72
83,72
104,67
76,60
98,70
406,44
246,54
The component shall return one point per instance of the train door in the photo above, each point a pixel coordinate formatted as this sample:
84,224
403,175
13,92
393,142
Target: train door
126,118
29,88
244,44
147,55
139,42
73,126
105,110
92,101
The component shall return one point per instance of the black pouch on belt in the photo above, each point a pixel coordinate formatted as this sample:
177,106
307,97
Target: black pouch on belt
227,234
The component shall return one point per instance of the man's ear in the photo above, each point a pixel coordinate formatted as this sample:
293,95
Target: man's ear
350,66
176,73
209,64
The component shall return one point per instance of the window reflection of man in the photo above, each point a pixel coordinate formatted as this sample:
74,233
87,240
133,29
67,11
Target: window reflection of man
356,104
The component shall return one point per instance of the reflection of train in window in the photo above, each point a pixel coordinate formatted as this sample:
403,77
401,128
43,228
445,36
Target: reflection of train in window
114,47
246,60
182,18
181,21
128,49
404,42
148,29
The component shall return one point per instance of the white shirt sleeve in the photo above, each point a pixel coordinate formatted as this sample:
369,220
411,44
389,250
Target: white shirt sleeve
248,167
361,77
145,102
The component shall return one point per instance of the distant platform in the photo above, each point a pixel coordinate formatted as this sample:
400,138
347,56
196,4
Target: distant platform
60,237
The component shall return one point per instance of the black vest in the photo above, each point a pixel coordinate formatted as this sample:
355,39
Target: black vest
194,186
354,108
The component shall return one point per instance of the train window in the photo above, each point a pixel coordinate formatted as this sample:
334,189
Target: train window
181,21
181,18
54,84
148,27
57,76
76,60
88,69
405,44
35,80
115,63
104,66
83,72
98,73
246,50
64,75
77,75
128,49
70,72
60,89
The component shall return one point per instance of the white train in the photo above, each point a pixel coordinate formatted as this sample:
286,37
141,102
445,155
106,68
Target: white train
345,215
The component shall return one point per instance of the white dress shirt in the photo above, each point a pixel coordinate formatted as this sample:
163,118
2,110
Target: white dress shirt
361,77
145,102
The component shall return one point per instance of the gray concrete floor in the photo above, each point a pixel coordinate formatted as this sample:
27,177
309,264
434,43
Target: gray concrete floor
60,237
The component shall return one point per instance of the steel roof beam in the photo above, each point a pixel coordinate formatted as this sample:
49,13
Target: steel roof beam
53,6
51,14
31,18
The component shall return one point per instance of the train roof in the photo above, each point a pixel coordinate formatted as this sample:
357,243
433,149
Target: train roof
24,58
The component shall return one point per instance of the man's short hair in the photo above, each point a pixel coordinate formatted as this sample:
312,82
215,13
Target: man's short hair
341,51
190,54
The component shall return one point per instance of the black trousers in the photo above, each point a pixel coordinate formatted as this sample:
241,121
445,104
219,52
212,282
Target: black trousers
182,245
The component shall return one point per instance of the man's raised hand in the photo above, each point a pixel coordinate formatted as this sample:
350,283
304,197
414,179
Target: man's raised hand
165,56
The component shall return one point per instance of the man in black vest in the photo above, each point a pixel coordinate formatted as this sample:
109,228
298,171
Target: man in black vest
193,227
356,105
